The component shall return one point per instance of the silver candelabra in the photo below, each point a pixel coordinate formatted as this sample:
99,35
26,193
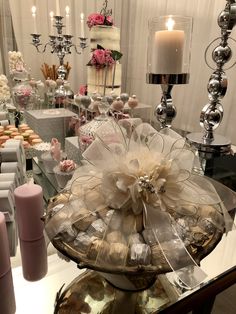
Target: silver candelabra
60,44
208,143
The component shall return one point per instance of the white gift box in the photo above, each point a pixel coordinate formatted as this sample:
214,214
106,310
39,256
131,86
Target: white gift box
50,123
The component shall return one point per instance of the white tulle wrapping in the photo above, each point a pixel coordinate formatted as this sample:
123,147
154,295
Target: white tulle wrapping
111,175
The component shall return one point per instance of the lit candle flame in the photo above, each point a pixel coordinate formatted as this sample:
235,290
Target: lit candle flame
82,16
51,14
67,10
170,24
33,10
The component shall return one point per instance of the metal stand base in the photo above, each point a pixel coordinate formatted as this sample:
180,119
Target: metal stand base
91,293
219,146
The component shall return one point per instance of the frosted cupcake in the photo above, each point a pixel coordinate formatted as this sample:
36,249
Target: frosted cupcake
41,148
64,172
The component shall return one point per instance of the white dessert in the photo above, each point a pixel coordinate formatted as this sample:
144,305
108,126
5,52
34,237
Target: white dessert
109,38
96,79
64,172
106,36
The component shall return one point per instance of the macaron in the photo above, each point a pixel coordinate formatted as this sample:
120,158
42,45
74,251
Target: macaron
4,138
36,141
19,137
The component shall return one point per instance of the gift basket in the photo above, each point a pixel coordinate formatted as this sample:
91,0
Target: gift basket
136,209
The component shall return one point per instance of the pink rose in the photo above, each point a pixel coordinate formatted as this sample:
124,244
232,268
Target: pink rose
109,20
83,90
95,19
85,139
108,57
67,165
99,56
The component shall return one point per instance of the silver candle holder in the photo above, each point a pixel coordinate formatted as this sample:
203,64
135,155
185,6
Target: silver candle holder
208,143
60,44
168,60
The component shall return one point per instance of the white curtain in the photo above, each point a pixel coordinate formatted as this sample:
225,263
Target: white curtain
7,36
132,17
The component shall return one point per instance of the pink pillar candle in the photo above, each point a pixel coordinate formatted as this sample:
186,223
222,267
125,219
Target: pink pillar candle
4,253
29,210
7,302
34,259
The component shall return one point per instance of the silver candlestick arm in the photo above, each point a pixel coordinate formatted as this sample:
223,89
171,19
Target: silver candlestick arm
60,44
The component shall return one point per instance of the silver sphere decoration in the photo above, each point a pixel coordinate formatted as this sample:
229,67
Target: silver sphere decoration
85,101
165,114
109,99
211,116
217,86
124,97
221,54
61,71
223,19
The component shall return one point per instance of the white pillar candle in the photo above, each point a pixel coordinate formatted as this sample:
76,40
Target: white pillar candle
33,10
58,13
168,50
51,14
82,25
67,20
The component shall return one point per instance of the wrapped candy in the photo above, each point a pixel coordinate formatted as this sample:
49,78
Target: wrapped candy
115,236
67,232
135,238
82,242
145,207
140,254
117,253
85,221
98,246
97,228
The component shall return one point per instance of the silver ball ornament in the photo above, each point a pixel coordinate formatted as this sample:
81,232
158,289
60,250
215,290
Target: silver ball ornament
223,19
211,116
221,54
85,101
124,97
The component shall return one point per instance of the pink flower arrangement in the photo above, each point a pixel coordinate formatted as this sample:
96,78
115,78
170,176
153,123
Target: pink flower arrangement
101,58
23,91
99,19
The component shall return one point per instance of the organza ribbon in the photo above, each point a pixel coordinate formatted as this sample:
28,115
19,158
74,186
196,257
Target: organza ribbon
177,255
